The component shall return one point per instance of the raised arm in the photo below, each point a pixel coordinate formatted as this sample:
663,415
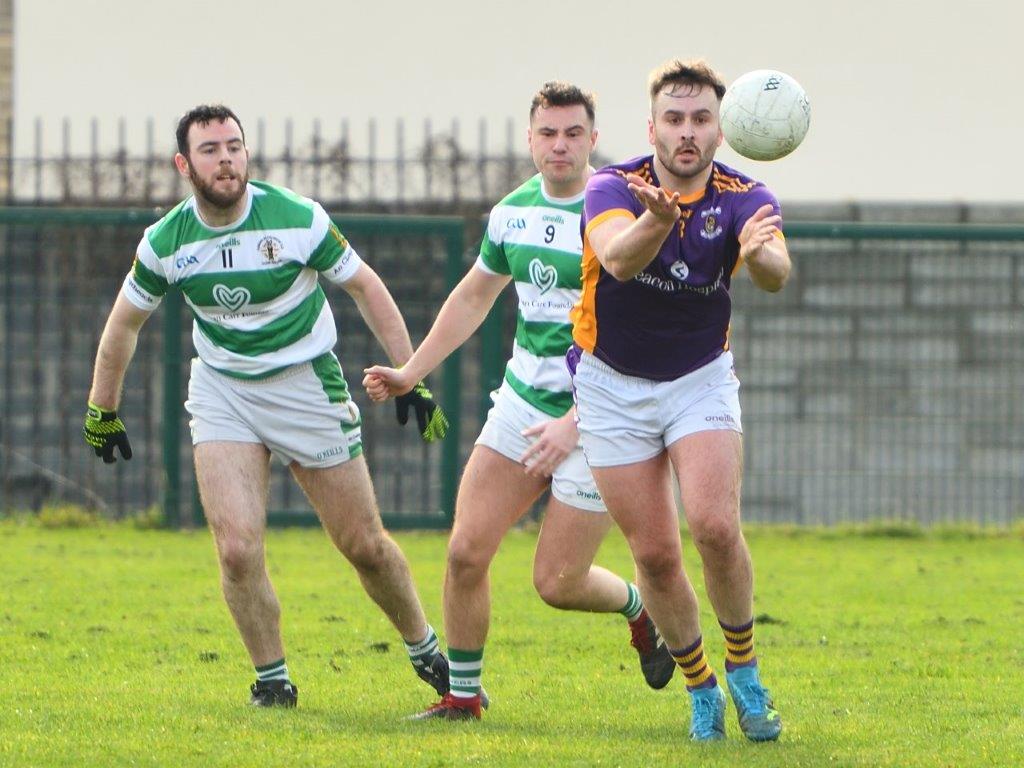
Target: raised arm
624,245
764,250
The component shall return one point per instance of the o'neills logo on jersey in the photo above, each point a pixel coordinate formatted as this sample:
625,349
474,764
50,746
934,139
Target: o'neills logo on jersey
710,229
270,249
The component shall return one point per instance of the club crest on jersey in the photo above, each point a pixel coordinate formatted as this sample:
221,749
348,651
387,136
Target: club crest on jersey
710,229
232,299
679,270
270,249
542,275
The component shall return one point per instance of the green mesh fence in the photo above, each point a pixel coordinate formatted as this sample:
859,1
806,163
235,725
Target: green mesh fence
62,270
883,383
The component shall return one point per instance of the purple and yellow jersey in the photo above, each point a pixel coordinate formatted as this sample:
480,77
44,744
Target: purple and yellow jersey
673,317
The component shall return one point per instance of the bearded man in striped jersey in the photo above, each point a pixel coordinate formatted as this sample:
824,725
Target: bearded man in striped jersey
247,256
530,442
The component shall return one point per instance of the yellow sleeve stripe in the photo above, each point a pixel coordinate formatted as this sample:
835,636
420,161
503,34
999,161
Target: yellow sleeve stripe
610,214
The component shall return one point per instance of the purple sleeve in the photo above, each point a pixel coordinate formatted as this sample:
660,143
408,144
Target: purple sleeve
607,191
747,204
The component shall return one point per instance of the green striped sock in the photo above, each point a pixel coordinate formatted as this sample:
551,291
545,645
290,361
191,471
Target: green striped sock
423,651
275,670
464,669
633,607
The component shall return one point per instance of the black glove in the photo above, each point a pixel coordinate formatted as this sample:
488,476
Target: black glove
430,419
103,431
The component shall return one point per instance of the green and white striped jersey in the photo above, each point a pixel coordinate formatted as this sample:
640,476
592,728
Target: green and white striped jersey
536,239
252,285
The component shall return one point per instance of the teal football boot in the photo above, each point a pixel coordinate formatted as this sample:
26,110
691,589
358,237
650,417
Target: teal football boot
758,719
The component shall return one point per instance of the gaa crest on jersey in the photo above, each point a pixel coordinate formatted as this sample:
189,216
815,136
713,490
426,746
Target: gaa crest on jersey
710,229
270,249
679,270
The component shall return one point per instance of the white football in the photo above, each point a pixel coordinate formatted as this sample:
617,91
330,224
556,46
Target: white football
765,114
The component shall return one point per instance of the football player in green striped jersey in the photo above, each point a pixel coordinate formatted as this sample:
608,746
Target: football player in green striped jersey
248,256
529,443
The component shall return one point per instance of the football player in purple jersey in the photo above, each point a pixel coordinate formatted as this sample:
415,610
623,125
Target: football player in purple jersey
654,380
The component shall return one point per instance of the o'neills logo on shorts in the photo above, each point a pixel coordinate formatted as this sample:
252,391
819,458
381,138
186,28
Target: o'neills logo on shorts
723,419
591,495
337,450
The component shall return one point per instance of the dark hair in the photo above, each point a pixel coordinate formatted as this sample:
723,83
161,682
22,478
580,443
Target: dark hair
692,72
557,93
204,114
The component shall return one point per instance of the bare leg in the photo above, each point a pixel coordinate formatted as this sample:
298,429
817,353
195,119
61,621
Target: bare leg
710,467
233,481
639,498
342,496
494,493
563,570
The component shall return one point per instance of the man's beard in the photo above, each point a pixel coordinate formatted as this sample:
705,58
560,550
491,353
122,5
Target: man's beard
222,200
668,159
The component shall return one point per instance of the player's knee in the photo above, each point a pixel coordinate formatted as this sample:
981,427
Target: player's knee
465,560
555,587
658,560
715,533
367,553
240,557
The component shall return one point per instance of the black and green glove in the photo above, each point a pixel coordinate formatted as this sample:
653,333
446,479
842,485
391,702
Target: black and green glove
430,419
104,431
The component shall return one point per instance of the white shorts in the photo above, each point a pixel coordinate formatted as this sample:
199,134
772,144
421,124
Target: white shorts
626,419
571,482
303,414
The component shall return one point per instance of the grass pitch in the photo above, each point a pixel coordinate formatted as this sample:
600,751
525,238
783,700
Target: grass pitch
116,649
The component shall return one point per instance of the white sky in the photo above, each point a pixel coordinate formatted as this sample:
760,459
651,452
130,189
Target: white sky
910,100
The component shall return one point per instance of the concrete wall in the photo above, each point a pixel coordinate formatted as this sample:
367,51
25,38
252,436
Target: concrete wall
885,382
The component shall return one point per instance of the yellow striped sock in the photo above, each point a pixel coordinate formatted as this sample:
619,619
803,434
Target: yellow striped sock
695,666
739,645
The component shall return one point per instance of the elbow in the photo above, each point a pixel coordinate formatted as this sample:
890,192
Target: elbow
775,283
619,271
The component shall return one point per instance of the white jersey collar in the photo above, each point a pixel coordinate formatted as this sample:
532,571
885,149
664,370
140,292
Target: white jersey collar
245,214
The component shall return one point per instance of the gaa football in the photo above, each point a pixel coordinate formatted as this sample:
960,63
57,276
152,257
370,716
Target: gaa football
765,115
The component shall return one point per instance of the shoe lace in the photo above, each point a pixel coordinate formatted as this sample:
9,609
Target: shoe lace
705,711
754,697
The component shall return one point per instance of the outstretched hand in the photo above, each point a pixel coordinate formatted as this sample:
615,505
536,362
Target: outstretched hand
759,230
662,205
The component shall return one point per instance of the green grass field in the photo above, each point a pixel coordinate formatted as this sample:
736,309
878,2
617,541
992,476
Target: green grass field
116,649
